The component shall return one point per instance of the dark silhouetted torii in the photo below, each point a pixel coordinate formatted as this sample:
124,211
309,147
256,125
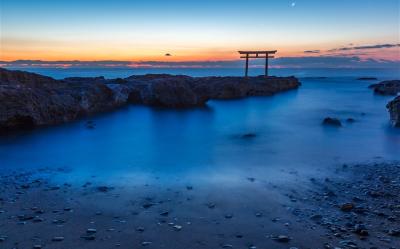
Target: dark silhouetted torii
257,55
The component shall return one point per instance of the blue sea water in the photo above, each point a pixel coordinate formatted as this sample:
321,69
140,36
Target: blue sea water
60,73
205,144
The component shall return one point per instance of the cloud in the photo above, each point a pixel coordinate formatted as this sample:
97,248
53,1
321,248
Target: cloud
281,62
376,46
316,51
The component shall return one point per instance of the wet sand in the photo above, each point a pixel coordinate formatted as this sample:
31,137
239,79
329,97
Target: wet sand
357,206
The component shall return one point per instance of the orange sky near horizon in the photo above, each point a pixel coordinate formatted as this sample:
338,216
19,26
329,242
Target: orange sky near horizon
195,31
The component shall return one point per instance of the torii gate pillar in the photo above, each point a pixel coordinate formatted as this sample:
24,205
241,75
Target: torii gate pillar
257,55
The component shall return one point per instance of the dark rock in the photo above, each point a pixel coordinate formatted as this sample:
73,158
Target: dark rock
360,229
281,238
350,120
164,213
346,207
104,189
367,78
30,100
394,232
249,135
229,216
332,122
58,238
390,87
394,110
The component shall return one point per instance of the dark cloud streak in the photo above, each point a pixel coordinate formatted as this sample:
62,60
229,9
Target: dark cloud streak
377,46
338,61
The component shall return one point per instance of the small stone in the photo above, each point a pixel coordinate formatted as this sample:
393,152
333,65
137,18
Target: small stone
394,232
58,239
165,213
229,216
211,205
88,237
37,247
227,246
347,207
350,120
91,231
249,135
177,228
251,179
332,122
146,243
38,219
104,189
282,238
148,205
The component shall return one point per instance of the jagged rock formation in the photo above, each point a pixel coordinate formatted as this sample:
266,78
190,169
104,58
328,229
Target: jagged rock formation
394,110
29,100
389,87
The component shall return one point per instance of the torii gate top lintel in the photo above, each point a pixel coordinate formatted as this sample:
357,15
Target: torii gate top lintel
267,54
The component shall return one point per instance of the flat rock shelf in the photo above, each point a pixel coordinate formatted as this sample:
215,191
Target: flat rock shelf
29,100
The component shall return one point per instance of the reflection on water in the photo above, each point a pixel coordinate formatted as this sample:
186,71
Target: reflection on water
206,144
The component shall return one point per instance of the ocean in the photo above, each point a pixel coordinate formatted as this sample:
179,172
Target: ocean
140,143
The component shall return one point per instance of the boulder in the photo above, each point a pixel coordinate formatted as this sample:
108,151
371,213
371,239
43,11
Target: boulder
390,87
332,122
394,110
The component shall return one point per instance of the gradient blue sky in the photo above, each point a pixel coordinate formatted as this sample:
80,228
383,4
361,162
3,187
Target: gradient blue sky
195,30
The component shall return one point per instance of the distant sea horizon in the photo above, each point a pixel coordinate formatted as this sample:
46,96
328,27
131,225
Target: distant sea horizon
107,72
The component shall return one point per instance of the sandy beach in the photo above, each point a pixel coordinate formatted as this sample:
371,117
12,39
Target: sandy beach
356,207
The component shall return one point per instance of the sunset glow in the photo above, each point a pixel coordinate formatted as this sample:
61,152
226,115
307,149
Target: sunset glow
202,31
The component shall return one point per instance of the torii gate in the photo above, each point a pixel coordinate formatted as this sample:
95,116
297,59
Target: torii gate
255,55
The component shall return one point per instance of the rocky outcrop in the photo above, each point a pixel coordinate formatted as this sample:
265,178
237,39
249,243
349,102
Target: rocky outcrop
394,110
332,122
29,100
389,87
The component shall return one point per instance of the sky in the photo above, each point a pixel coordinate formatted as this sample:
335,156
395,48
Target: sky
143,32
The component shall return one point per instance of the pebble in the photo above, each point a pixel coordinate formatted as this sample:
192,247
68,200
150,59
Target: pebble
177,228
211,205
227,246
58,238
146,243
164,213
229,216
346,207
91,231
281,238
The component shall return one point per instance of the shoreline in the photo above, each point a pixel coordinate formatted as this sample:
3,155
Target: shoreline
254,215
